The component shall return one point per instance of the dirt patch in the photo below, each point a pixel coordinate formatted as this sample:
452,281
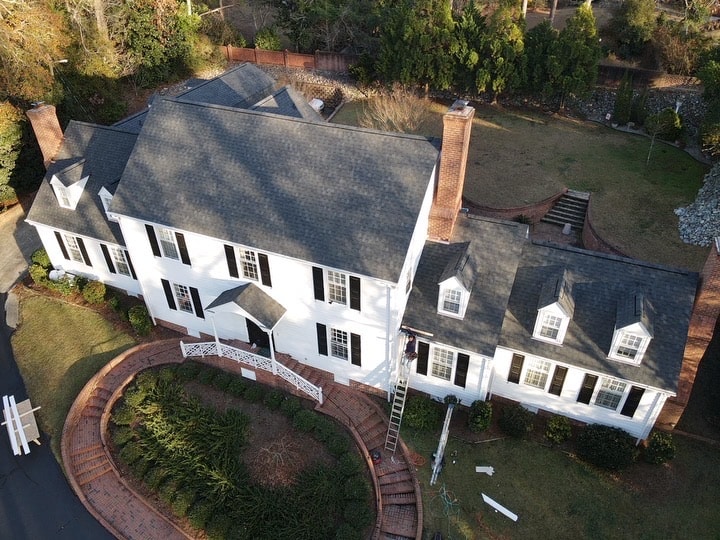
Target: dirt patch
276,452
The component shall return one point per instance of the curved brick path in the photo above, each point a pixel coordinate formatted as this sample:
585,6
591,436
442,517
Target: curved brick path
126,514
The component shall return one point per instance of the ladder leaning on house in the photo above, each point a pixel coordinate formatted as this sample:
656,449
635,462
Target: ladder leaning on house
398,406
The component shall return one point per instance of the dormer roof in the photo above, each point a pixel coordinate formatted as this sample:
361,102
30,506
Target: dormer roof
635,310
460,266
557,291
72,172
288,102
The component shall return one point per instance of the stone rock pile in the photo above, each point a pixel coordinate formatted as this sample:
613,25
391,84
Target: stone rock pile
699,222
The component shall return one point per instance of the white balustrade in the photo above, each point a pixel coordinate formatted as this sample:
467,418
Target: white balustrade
257,361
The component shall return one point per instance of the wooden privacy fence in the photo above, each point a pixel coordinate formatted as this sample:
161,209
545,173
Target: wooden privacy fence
323,61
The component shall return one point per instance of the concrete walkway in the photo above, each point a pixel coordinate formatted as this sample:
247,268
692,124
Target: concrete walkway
124,512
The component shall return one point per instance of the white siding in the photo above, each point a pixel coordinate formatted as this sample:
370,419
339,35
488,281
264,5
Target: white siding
99,269
566,404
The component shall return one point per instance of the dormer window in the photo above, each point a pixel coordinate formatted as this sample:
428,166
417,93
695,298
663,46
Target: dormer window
555,308
106,199
633,329
456,283
453,300
68,196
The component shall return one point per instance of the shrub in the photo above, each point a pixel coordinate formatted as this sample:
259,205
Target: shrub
254,393
94,292
421,413
237,387
660,448
274,398
558,430
479,416
305,421
132,452
166,374
290,406
606,447
114,303
188,370
200,513
347,532
337,445
516,421
623,100
123,435
39,274
155,477
140,320
40,257
222,380
665,125
123,416
206,375
183,501
267,38
66,285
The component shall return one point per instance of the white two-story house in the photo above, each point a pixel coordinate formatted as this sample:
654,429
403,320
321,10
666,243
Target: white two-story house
237,212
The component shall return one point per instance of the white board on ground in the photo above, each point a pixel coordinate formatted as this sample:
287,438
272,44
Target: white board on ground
499,507
485,470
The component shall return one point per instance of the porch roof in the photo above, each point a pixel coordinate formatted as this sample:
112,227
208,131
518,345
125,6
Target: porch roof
252,301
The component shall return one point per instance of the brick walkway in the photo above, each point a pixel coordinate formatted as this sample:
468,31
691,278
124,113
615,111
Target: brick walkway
127,514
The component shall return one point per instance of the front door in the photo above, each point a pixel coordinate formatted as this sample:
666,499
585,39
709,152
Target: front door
257,336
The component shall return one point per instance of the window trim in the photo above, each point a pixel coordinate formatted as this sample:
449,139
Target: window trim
169,287
177,239
352,344
605,388
539,367
620,337
351,285
540,325
446,288
433,360
63,244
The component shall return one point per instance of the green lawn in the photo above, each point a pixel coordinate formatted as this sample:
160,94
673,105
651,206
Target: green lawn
557,497
520,157
59,347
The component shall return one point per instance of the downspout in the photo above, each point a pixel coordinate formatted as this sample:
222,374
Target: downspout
651,416
388,354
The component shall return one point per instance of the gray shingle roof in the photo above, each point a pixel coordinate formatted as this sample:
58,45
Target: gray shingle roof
240,87
334,195
599,283
254,301
105,151
288,102
635,307
558,289
495,246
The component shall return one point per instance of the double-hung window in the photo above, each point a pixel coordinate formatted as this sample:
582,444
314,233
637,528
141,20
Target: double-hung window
610,393
248,264
167,244
339,343
550,326
537,373
120,260
336,287
442,363
73,248
182,297
629,346
452,301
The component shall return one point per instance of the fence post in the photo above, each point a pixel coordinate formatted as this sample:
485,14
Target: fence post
320,395
285,58
182,349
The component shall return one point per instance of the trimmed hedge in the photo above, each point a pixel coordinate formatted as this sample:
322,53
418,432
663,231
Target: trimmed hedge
479,416
606,447
660,449
422,413
516,421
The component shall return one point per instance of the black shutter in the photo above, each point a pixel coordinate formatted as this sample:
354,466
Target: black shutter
322,338
516,368
195,295
463,361
355,293
632,401
231,261
264,270
61,243
130,266
318,283
558,380
83,251
108,258
169,296
588,387
182,247
153,240
355,354
422,359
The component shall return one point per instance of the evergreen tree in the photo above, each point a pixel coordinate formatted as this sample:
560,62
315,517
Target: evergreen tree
540,48
471,29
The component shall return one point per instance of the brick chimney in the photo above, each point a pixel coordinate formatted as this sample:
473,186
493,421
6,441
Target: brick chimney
703,320
47,130
457,124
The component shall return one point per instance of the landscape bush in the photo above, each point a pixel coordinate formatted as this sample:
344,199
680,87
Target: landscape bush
140,321
94,292
606,447
516,421
422,413
40,257
558,429
39,274
660,449
267,39
479,416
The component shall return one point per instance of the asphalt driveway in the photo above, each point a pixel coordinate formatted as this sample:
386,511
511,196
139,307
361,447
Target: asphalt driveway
36,502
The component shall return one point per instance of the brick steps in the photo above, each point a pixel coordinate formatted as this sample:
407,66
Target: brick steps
570,208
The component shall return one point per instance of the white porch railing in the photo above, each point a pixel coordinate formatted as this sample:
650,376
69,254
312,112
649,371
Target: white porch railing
211,348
